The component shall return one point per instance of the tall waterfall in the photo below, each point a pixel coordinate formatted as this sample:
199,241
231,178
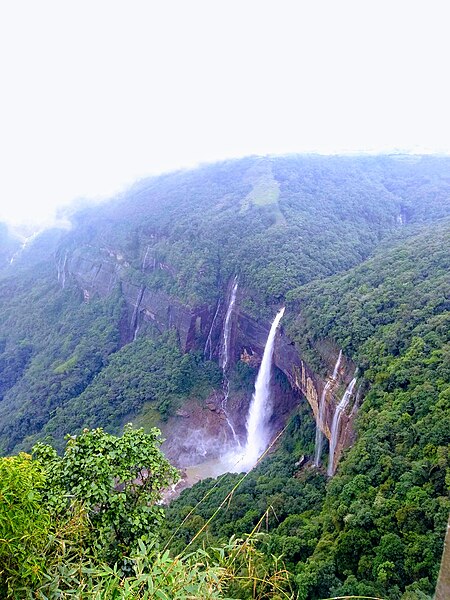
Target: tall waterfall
224,355
340,408
62,269
144,262
260,407
134,324
337,365
225,348
319,424
321,415
208,345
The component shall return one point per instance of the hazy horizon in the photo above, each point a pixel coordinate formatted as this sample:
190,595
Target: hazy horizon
99,95
58,215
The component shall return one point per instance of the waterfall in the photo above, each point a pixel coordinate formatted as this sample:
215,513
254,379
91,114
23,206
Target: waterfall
63,271
224,357
321,415
337,365
319,424
26,242
225,349
226,393
340,408
134,324
208,339
144,262
260,407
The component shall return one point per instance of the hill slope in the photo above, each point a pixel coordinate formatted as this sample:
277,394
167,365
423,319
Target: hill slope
109,322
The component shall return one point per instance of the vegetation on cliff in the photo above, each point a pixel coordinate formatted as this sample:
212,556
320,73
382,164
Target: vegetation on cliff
357,249
377,527
86,525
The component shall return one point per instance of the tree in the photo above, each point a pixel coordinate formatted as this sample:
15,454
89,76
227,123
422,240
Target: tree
24,523
118,480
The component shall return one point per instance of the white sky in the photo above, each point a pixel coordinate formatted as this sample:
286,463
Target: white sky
95,94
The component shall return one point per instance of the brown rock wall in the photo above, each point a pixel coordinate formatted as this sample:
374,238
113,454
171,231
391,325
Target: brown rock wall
248,338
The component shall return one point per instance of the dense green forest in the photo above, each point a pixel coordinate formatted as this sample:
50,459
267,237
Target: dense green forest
376,528
357,250
186,234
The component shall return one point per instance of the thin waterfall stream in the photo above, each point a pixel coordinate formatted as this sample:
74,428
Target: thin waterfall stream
340,408
225,347
224,357
321,415
208,350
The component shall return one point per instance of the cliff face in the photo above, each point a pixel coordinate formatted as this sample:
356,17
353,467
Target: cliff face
95,276
200,327
251,338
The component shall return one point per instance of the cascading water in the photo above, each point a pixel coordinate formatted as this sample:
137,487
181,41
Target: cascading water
340,408
27,241
224,354
62,270
260,407
319,424
337,365
135,317
321,415
208,345
225,349
226,393
240,459
144,262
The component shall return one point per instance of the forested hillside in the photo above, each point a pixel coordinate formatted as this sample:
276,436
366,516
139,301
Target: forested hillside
109,322
377,527
278,223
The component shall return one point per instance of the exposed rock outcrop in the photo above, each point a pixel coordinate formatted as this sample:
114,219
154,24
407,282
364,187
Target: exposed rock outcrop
251,338
198,325
164,312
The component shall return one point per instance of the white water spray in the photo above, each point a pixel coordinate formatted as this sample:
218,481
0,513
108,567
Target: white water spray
321,415
63,272
135,317
226,393
26,242
260,408
340,408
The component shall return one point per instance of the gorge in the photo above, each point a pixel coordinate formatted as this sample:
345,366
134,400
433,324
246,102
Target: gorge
162,308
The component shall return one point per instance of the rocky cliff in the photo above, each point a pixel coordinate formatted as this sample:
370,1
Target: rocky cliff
251,337
200,327
102,274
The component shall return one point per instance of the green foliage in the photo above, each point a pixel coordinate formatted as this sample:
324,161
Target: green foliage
53,346
279,223
235,570
60,518
150,373
386,509
117,479
295,230
377,528
271,490
24,523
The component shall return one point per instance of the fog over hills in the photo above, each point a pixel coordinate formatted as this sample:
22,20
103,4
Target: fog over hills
125,310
